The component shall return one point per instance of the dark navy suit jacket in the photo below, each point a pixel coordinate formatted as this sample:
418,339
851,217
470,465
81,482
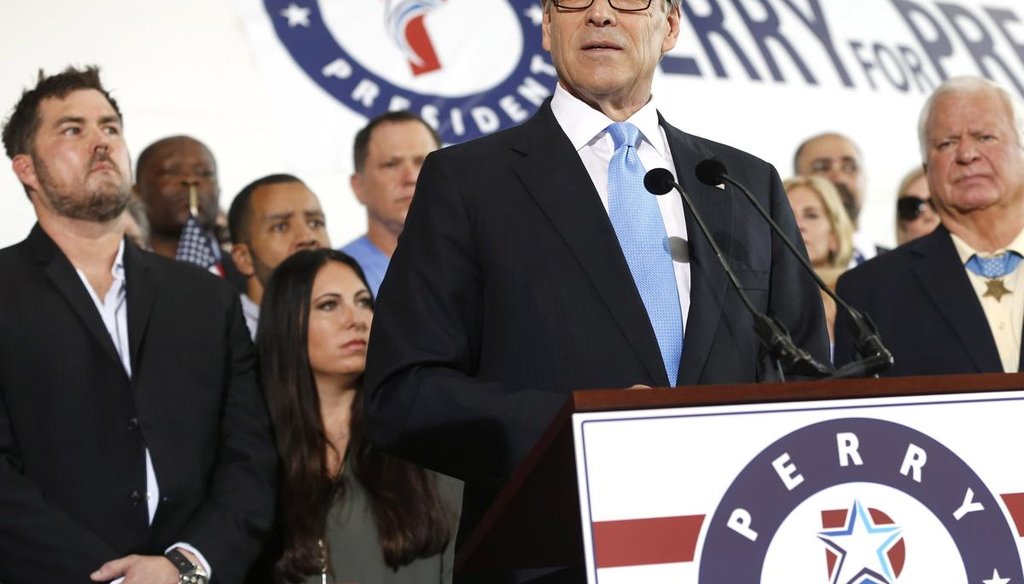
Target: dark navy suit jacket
509,290
926,310
74,427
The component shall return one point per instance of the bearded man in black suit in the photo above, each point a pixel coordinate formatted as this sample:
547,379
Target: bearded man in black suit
135,445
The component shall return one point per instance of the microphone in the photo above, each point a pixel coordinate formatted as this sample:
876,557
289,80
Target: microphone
875,356
711,172
659,181
771,332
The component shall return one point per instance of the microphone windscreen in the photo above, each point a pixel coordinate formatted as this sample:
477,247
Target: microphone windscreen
710,172
659,181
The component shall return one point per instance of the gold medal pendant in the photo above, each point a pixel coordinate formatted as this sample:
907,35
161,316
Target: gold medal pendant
996,289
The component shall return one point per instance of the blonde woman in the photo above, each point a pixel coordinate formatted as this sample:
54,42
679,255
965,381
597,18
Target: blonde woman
826,230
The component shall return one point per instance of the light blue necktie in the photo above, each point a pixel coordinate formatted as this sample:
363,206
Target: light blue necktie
637,221
996,266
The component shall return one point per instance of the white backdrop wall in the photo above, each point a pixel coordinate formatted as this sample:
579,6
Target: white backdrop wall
176,67
758,74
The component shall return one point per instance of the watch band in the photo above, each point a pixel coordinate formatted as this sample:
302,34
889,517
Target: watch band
188,573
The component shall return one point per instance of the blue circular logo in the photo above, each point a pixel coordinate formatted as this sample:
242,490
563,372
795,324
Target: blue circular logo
890,478
468,67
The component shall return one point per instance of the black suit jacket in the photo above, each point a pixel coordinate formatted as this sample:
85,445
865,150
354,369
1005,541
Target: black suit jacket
925,308
509,290
74,427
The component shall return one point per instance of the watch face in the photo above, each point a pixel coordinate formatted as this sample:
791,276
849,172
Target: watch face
196,575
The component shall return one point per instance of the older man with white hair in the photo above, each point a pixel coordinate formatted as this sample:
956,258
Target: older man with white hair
953,301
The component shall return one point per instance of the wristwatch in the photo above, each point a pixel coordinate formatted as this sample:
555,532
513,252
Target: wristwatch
188,573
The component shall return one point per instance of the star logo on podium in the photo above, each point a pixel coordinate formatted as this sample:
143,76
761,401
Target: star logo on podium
862,548
996,579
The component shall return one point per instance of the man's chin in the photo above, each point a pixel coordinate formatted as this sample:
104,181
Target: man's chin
93,215
107,207
98,207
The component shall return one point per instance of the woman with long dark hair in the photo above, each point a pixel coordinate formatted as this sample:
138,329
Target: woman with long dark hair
348,512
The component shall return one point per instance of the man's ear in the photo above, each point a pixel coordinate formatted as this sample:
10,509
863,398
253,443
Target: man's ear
545,30
25,169
674,23
242,256
356,183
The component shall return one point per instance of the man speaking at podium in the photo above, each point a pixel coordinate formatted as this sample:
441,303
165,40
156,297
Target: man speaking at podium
534,263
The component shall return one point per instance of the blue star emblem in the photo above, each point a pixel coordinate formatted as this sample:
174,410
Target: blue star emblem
862,548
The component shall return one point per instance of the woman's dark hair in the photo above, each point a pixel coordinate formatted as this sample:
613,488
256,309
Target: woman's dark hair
412,520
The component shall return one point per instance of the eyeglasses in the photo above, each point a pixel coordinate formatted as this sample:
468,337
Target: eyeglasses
909,207
620,5
824,165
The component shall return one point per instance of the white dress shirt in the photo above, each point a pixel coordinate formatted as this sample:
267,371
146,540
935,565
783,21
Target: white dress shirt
113,310
1005,316
251,312
586,129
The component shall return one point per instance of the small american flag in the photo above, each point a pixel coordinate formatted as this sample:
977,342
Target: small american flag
198,246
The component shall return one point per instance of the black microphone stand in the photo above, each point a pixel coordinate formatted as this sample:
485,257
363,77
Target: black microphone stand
770,331
875,357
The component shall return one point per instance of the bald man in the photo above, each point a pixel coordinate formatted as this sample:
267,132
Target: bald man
837,158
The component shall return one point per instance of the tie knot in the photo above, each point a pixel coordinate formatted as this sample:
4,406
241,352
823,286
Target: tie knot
624,134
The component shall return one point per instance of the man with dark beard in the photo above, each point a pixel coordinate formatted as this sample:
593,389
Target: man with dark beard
128,450
270,219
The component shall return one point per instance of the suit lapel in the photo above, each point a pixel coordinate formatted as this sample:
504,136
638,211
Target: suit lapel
64,277
557,180
141,291
947,286
708,282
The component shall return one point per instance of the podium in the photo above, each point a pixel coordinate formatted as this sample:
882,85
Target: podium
782,482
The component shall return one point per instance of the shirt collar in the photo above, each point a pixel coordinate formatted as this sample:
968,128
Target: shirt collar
965,251
585,125
248,306
117,270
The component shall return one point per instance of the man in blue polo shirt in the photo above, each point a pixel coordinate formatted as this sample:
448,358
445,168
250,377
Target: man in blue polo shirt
388,154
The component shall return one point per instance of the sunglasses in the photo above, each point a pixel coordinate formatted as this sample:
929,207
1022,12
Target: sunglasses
909,207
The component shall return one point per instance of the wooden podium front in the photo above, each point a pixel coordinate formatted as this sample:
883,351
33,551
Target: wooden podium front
699,518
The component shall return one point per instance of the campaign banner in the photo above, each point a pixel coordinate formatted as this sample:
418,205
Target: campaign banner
761,75
880,491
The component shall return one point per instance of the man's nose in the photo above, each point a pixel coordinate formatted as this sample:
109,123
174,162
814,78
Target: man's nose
601,13
306,238
966,151
835,173
410,173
